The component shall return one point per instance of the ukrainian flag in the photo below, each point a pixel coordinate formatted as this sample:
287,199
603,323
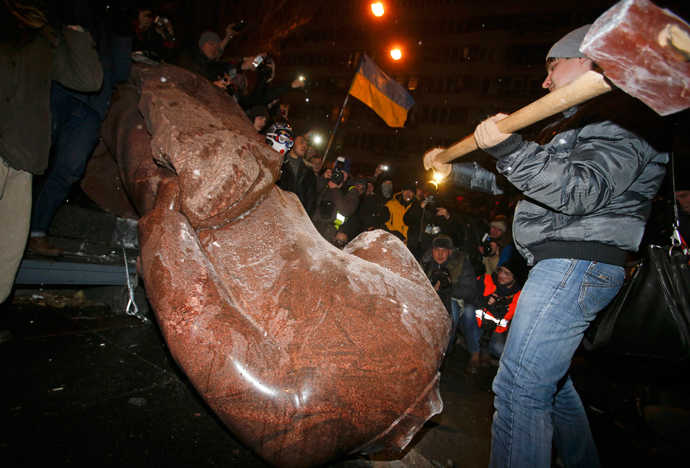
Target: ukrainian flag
380,92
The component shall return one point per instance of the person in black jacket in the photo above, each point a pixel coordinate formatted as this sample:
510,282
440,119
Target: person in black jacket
297,177
76,122
154,36
334,206
427,218
372,212
450,272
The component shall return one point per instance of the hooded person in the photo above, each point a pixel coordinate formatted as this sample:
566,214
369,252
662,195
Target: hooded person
397,208
384,186
486,320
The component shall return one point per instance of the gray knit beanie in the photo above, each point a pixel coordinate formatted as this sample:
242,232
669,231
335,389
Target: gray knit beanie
569,45
208,36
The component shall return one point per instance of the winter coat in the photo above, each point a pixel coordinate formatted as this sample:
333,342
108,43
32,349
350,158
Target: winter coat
589,187
27,71
499,313
196,61
333,207
303,183
424,224
461,280
372,212
397,207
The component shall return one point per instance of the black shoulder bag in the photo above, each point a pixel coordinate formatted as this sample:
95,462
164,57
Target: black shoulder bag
650,316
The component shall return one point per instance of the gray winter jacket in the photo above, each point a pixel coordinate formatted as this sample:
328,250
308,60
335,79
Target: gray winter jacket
589,191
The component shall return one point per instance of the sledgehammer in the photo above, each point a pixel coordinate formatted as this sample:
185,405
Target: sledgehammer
643,49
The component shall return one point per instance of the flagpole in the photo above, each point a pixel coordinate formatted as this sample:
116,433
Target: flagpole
335,129
340,115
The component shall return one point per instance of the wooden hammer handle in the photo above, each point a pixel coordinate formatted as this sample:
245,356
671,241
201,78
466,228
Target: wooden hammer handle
587,86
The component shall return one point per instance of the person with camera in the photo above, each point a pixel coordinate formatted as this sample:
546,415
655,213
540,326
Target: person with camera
427,218
342,164
205,59
486,319
489,250
334,205
154,36
259,88
496,246
450,273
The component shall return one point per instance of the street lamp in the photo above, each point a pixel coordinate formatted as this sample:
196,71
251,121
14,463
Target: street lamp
396,53
377,9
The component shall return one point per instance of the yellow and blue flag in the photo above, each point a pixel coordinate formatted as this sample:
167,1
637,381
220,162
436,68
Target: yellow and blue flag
382,93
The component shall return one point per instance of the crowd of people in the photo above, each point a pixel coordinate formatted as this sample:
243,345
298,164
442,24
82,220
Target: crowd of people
460,253
87,52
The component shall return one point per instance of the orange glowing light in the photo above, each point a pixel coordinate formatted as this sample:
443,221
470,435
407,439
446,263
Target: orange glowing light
396,53
377,9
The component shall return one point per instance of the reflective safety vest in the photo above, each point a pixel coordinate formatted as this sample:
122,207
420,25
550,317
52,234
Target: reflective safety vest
485,314
339,220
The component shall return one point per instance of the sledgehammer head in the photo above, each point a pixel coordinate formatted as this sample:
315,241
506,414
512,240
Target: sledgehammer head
645,51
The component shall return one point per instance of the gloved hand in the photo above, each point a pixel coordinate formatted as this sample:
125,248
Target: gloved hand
487,133
443,169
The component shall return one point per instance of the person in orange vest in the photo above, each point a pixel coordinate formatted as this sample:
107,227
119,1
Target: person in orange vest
485,323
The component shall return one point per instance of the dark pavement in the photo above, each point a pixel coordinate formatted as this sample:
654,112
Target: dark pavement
84,383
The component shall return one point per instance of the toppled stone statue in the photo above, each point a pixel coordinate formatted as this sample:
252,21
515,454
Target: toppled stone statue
306,352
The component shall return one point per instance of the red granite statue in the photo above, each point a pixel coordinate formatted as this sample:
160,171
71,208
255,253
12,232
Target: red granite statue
306,352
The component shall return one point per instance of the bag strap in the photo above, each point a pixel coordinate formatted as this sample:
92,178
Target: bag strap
677,242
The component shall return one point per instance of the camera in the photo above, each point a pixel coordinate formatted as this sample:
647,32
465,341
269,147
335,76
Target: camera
339,164
430,202
239,26
442,276
337,175
487,247
162,23
258,60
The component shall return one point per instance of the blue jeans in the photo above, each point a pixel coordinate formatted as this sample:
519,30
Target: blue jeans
75,131
535,399
473,334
